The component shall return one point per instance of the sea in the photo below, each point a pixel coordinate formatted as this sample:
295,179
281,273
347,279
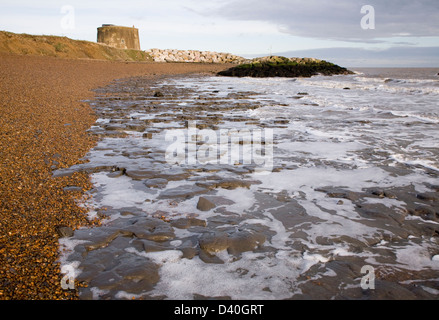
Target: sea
262,188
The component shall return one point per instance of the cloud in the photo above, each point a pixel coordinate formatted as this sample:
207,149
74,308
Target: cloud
339,20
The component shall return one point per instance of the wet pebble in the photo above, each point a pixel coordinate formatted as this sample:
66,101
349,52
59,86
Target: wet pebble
204,204
235,242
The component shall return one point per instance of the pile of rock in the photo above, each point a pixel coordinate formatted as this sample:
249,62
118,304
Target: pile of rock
174,55
277,66
280,59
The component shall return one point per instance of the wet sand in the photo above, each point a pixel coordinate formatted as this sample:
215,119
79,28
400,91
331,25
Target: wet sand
43,123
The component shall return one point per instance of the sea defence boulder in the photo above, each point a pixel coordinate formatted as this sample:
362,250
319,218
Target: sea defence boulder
174,55
277,66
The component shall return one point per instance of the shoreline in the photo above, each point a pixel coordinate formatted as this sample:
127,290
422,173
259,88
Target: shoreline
159,226
44,122
48,108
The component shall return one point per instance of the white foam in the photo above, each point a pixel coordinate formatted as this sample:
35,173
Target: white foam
400,158
430,290
406,86
321,149
243,199
254,276
67,246
118,195
176,243
416,257
162,257
317,177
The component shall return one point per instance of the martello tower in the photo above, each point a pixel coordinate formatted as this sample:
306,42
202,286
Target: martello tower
119,37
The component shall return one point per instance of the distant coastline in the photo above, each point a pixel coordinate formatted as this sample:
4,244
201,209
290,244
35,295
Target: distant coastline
63,47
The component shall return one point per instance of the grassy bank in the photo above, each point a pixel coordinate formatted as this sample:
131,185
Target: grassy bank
63,47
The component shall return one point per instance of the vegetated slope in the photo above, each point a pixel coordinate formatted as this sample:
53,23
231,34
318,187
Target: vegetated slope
63,47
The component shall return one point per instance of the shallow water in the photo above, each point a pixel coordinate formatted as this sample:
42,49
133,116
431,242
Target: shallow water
323,176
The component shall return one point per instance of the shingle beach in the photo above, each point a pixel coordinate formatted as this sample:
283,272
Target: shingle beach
43,124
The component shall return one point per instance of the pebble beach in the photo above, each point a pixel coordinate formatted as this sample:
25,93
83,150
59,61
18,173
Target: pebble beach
43,124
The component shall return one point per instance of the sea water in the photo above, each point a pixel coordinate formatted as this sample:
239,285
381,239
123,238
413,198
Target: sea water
352,182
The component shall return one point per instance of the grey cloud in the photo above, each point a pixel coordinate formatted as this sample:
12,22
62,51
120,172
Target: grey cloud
339,20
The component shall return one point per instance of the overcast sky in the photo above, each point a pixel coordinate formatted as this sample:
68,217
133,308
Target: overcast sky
389,33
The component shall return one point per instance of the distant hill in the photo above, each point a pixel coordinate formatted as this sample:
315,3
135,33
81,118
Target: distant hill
64,47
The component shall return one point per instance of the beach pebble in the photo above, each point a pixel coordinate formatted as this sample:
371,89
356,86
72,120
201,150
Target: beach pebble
72,189
235,242
214,242
184,223
115,174
229,184
64,232
185,192
204,204
243,241
427,196
435,258
156,183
